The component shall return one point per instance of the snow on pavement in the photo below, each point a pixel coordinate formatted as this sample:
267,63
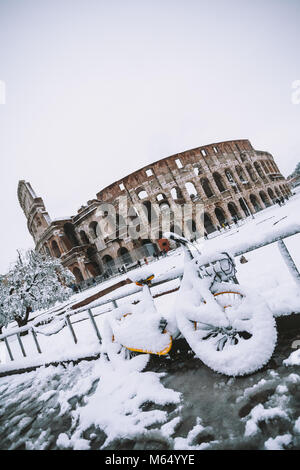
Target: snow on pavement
125,405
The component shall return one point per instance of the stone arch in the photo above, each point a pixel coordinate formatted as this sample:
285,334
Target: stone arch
240,172
70,233
108,262
264,165
282,189
92,256
160,197
259,170
176,193
244,207
94,228
55,249
124,254
271,194
220,214
192,191
141,193
208,224
164,204
255,203
78,275
149,211
229,176
277,192
264,198
206,187
250,172
150,248
84,238
233,210
219,182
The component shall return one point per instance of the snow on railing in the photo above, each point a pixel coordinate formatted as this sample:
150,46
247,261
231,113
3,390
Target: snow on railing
163,279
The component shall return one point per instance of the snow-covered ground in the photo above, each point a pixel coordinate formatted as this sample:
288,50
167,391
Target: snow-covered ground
182,404
120,405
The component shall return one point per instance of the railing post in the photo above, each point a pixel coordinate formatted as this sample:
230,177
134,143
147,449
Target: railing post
94,325
289,261
21,344
36,341
71,328
8,349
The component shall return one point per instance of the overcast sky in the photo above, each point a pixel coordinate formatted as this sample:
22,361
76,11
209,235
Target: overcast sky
96,89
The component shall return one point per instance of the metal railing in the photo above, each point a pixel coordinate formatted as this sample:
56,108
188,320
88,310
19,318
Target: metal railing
161,280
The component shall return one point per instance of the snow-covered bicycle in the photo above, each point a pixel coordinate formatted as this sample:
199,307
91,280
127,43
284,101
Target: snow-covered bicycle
231,329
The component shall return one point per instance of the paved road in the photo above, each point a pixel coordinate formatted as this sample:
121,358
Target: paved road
38,408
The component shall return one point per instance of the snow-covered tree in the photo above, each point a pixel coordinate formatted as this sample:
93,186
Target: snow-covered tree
34,282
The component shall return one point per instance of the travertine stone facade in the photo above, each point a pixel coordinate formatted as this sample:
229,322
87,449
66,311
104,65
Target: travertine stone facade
231,179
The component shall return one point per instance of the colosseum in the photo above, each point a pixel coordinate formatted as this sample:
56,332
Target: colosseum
231,180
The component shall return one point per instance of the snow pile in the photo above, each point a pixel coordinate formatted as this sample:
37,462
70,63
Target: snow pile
293,359
297,426
197,434
260,414
279,442
116,404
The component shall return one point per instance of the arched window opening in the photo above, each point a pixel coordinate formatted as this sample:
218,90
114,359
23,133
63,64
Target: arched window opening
108,263
198,170
220,215
265,167
255,203
207,188
149,211
78,275
251,172
271,194
264,198
229,177
176,193
190,187
244,207
92,256
71,234
125,256
241,174
149,247
55,249
164,205
219,182
233,210
94,229
84,237
142,194
259,170
208,225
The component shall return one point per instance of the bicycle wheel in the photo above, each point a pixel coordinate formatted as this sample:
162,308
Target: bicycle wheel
240,341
